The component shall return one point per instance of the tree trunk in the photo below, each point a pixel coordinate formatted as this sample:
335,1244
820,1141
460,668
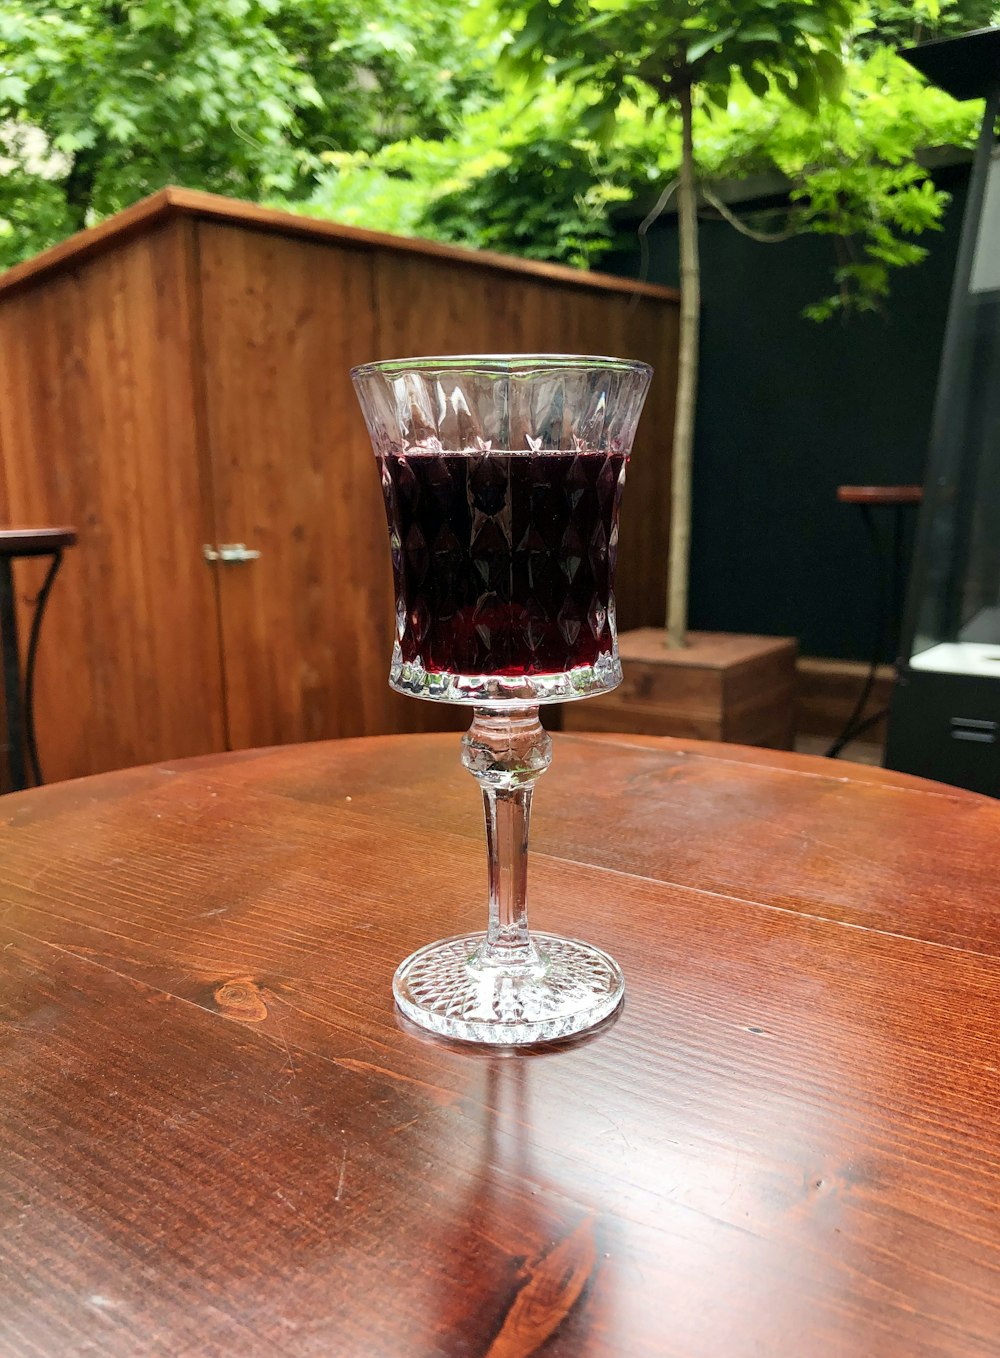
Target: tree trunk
79,185
687,384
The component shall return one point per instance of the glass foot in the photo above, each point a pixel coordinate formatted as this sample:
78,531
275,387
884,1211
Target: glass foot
564,987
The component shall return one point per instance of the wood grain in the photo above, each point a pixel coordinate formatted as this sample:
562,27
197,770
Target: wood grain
97,427
218,1137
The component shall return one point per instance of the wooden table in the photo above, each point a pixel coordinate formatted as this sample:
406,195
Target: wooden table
219,1139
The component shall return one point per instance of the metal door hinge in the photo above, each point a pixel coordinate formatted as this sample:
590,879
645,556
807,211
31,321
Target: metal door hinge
230,551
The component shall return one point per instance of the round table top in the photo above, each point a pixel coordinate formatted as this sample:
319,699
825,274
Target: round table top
219,1137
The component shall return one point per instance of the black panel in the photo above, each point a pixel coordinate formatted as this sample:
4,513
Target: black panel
946,703
967,67
946,727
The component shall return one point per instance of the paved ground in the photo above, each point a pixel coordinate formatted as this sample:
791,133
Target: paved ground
858,752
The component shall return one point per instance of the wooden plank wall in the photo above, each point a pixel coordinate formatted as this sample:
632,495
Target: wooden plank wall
97,431
189,385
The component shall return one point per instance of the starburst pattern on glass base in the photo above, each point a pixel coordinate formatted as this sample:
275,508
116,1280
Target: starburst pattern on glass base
441,988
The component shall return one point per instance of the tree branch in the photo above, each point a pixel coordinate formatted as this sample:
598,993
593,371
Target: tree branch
79,185
647,222
763,237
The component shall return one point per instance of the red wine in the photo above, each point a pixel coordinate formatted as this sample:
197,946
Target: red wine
503,562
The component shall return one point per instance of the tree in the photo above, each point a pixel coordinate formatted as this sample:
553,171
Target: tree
540,170
513,177
857,173
811,88
105,101
681,52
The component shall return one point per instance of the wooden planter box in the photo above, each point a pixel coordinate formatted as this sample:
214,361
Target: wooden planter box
721,686
177,378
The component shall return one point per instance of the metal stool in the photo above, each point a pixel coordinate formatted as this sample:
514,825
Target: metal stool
18,700
890,586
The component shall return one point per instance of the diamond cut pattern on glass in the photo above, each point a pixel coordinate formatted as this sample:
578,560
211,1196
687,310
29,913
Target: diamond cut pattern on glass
505,562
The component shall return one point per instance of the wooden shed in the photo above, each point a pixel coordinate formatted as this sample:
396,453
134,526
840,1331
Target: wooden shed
177,378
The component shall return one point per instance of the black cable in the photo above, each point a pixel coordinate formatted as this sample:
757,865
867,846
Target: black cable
854,726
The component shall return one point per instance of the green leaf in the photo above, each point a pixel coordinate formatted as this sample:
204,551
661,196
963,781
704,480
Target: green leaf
71,142
808,21
706,43
12,28
805,92
532,32
719,96
831,73
599,120
13,89
822,311
758,33
756,80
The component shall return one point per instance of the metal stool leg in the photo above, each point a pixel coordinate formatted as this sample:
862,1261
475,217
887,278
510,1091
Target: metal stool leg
12,678
855,724
29,668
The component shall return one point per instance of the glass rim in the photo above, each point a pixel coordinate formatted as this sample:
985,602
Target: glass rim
501,365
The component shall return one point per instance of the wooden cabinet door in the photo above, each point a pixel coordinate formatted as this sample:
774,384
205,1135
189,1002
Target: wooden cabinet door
99,430
307,626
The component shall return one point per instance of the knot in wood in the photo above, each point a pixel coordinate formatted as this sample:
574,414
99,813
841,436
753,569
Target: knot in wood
241,999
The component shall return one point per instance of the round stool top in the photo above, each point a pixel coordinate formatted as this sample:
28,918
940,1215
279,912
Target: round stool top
35,541
880,495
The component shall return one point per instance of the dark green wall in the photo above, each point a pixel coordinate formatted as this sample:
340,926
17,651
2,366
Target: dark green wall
787,411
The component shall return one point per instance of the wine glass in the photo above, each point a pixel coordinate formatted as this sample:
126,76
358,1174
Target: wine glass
502,477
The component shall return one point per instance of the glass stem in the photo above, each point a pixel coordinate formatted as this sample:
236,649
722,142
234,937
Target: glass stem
505,751
507,815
